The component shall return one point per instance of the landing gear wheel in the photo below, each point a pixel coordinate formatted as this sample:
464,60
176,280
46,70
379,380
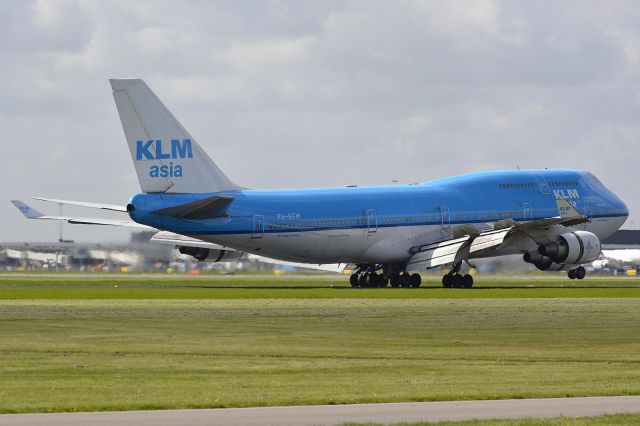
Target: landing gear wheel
405,280
363,280
383,281
458,281
353,280
580,272
467,281
416,280
447,281
572,274
395,280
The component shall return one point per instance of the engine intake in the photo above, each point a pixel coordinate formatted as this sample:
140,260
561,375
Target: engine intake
572,248
202,254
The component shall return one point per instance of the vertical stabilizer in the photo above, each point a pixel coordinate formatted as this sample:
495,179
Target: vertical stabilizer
167,159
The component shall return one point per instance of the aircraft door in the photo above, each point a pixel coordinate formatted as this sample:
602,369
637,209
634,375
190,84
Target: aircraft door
444,213
542,183
527,212
372,221
258,226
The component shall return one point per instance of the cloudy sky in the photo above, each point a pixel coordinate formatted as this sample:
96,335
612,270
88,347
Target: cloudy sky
300,94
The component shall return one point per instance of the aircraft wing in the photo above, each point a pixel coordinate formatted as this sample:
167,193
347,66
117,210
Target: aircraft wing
170,238
456,250
31,213
467,241
326,267
568,215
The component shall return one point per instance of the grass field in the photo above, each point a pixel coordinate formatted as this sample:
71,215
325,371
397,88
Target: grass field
606,420
82,344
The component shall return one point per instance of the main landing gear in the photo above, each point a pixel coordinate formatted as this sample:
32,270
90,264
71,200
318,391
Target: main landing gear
577,274
454,279
366,276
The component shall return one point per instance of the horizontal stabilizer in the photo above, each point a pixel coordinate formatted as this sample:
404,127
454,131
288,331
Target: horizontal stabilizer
31,213
166,237
99,221
207,208
112,207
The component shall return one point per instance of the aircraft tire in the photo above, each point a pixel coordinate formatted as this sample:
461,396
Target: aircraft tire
447,281
572,274
458,281
354,280
362,280
384,281
416,280
467,281
405,280
395,280
580,273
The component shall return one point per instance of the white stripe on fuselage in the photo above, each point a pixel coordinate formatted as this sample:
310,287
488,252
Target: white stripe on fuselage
359,245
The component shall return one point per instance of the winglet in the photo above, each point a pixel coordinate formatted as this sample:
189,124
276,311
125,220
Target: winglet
567,210
29,212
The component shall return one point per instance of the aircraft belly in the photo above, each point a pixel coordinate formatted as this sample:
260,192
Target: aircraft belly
328,246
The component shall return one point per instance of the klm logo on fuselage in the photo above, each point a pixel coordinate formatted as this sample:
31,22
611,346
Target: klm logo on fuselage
156,150
566,194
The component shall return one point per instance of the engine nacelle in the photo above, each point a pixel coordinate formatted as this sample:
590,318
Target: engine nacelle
202,254
572,248
541,262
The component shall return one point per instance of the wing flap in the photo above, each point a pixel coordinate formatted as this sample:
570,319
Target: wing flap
437,254
456,250
489,239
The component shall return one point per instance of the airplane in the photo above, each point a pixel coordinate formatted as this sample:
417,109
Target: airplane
617,258
554,218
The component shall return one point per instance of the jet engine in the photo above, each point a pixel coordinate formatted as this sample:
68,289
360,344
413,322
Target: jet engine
202,254
565,251
541,262
574,248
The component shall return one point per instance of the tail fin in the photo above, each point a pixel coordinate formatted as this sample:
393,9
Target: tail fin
167,159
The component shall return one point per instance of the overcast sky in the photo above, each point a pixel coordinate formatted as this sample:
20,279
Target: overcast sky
289,94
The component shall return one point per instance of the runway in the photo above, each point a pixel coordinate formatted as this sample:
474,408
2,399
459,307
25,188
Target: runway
338,414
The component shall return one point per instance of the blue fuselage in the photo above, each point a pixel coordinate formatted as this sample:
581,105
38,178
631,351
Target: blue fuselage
346,223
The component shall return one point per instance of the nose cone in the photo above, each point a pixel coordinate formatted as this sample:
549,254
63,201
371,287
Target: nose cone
625,211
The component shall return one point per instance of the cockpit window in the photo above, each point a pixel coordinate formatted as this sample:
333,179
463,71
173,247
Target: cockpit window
596,180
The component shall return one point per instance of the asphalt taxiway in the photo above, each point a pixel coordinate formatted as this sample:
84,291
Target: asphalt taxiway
338,414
